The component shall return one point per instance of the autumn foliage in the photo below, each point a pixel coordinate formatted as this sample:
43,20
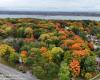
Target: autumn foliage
24,53
75,67
90,45
51,49
43,49
80,53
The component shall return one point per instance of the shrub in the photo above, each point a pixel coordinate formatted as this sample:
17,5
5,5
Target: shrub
97,52
90,64
9,31
35,50
6,50
24,53
56,50
51,70
44,37
57,54
36,44
98,36
64,73
39,72
75,67
83,35
20,32
67,56
37,33
95,30
47,55
56,42
14,58
76,30
88,76
2,33
43,49
29,61
29,32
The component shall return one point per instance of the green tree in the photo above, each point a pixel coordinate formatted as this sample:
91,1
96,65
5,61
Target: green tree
64,73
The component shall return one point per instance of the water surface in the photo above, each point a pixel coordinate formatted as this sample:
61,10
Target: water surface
60,17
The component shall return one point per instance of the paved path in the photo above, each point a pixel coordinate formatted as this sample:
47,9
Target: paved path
12,74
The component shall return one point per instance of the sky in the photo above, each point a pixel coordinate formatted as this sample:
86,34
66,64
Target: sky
50,5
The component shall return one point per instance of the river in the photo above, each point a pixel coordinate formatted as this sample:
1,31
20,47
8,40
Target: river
58,17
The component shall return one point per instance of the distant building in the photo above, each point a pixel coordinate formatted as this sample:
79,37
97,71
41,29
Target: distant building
95,41
98,63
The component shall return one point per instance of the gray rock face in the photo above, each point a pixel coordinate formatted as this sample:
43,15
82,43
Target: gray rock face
7,73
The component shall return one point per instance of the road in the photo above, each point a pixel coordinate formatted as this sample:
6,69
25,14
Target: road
12,74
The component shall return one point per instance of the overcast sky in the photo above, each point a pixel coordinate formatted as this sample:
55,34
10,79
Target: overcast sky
51,5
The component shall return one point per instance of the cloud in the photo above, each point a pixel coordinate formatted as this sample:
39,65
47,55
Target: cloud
51,5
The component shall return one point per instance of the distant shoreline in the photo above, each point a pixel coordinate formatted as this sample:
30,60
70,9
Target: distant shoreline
51,15
92,14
